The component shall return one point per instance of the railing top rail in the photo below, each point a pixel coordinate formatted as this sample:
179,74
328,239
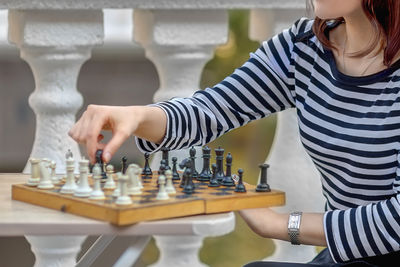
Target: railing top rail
149,4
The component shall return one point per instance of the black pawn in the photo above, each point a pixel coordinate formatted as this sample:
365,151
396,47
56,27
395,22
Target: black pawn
192,153
124,166
220,163
99,160
240,188
186,163
165,156
214,181
161,170
189,186
263,186
228,180
206,174
147,172
175,174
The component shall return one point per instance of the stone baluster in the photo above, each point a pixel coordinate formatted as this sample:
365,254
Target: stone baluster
59,251
291,168
179,43
55,43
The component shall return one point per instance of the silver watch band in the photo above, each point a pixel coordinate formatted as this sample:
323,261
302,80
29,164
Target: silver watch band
294,227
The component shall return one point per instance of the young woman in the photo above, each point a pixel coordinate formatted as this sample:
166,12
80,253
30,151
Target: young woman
341,72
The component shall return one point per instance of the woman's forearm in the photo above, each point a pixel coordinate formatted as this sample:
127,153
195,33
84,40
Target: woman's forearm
271,224
152,123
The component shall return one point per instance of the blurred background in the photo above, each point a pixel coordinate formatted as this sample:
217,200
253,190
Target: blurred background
115,77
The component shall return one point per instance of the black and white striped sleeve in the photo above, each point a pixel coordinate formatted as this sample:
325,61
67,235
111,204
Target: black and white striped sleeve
263,85
365,231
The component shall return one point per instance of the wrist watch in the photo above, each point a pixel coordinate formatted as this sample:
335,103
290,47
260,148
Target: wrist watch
294,227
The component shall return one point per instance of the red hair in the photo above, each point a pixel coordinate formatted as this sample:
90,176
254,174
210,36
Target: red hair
384,16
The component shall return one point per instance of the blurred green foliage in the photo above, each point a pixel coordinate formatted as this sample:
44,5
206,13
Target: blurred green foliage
249,146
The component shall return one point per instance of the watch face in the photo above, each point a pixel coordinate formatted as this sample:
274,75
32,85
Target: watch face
294,222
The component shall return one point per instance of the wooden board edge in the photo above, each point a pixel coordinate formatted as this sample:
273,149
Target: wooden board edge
43,199
256,201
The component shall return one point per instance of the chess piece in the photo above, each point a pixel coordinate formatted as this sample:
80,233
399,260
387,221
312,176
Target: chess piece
97,193
147,172
54,178
69,154
110,184
220,163
165,156
162,168
192,153
189,186
206,174
175,174
35,172
83,189
262,185
137,171
162,193
45,179
70,185
214,181
133,180
123,198
186,163
124,165
99,160
117,190
240,188
170,185
228,181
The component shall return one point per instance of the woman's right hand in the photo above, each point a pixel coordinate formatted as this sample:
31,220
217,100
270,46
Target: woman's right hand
122,122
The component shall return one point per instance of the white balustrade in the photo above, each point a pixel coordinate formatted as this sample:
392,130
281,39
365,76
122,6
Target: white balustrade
291,168
55,251
55,44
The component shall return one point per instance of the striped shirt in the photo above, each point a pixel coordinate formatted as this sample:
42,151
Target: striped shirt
350,126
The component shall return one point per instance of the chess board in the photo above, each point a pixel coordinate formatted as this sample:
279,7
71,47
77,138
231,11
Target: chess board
145,207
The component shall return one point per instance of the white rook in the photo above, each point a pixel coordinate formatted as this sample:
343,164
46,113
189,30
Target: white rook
55,43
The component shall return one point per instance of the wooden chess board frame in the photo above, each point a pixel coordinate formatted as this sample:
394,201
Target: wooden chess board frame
145,207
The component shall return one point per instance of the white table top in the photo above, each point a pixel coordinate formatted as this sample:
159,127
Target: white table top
19,218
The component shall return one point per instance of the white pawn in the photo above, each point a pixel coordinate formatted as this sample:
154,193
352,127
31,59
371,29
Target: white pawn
45,179
138,172
170,185
134,187
110,184
124,198
83,189
117,191
35,172
54,177
162,194
97,193
70,185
